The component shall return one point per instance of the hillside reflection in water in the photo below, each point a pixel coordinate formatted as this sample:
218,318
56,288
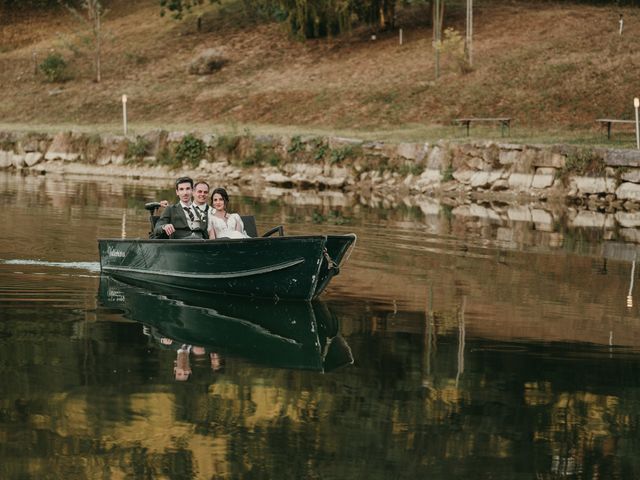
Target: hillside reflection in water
484,345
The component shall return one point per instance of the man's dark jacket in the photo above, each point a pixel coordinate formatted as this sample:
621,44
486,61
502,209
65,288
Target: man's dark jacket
175,215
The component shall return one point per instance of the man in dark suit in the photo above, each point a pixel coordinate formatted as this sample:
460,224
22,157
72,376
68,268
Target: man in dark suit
200,198
182,219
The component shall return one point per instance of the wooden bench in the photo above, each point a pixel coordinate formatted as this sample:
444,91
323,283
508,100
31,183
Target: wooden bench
607,122
505,123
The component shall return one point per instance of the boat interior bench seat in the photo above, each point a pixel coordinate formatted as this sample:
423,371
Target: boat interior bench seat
251,229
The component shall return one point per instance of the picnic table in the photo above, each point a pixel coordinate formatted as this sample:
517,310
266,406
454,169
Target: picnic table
607,122
505,122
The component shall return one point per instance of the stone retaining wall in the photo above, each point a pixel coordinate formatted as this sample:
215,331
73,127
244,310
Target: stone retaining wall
599,178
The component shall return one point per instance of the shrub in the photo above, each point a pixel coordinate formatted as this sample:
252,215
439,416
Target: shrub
54,67
340,154
447,173
453,45
257,157
410,169
191,150
138,149
447,211
335,217
583,161
165,157
320,152
297,145
93,147
274,159
317,217
8,144
136,58
228,144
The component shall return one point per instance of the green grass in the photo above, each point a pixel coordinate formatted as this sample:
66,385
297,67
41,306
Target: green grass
402,133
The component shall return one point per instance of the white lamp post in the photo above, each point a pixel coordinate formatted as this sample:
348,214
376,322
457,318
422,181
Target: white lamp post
621,23
124,114
124,224
636,104
630,294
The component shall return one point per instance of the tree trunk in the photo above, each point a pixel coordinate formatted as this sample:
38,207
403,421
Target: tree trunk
438,13
98,46
468,41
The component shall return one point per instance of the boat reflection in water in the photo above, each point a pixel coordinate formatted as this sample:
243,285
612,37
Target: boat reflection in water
296,335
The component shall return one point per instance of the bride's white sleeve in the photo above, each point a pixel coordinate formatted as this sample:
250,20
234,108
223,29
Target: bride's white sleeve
211,229
240,224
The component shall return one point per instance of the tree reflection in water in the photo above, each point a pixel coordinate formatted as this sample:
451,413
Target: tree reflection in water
487,340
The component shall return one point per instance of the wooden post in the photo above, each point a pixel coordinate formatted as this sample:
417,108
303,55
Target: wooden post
461,340
630,294
429,339
124,114
400,36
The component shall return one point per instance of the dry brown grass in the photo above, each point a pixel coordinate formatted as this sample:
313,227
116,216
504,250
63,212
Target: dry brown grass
553,68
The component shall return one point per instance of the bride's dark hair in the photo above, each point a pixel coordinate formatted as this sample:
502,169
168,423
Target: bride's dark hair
225,196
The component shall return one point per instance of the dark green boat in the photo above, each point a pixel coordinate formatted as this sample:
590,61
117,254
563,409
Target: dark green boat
302,335
286,267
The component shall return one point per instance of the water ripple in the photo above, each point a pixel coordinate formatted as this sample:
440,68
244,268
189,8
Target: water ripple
90,266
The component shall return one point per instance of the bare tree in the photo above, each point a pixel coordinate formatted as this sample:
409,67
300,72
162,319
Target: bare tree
468,40
91,16
438,13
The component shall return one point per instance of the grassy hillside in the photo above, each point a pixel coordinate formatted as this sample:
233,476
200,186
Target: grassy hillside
554,68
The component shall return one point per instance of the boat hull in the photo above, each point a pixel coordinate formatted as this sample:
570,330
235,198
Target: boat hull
296,267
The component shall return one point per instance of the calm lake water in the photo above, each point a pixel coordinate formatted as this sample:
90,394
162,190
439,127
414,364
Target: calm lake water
482,342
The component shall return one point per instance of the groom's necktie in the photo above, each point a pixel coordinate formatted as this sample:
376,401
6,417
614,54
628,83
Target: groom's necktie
190,213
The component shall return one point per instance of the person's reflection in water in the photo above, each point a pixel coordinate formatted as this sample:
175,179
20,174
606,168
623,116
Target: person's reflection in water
182,364
214,358
182,368
216,361
198,351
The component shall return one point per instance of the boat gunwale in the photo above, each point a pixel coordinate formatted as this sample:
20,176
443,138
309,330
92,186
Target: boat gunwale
221,240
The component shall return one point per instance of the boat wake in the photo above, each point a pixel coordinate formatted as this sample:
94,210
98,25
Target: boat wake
93,267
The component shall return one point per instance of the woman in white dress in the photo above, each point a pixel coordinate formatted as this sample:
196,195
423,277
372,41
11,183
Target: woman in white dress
221,223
